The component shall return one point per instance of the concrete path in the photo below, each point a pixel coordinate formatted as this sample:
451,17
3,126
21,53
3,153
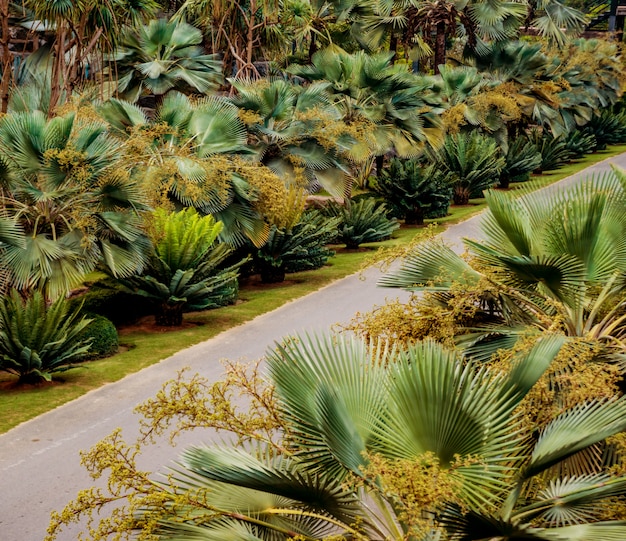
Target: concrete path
39,460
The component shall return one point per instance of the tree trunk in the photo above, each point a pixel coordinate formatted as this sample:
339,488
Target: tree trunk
461,195
393,47
271,274
380,162
6,58
440,46
415,216
169,315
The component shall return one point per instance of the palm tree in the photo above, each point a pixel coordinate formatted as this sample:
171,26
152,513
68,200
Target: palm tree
83,32
415,22
61,185
194,155
552,261
296,133
378,441
162,56
399,109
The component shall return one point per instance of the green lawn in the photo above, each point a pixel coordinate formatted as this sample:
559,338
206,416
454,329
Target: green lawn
142,349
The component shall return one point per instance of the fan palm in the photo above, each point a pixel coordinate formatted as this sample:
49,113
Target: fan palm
190,153
415,22
161,56
61,185
296,133
398,106
348,408
553,261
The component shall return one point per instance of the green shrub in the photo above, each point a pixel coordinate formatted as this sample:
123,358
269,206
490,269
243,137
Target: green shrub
473,162
302,247
553,150
414,192
37,340
102,335
363,220
521,159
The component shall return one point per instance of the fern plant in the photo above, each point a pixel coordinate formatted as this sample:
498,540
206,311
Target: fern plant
301,247
414,192
472,160
363,220
37,340
184,271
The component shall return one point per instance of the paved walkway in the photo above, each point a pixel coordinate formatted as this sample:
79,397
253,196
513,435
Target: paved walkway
39,460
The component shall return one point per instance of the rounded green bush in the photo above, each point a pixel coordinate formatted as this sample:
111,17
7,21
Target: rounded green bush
103,335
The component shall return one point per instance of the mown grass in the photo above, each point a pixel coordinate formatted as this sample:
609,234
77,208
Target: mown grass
142,349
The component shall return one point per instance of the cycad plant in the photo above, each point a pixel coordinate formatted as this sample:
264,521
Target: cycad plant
303,246
520,160
553,150
186,269
413,191
362,220
473,162
608,128
37,339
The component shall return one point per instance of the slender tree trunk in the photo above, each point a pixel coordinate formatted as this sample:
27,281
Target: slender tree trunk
312,47
440,46
380,162
393,48
56,84
6,58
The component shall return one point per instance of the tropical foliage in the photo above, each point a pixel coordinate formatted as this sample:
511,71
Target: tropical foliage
472,162
547,263
303,246
414,191
37,340
162,56
370,442
61,185
362,220
185,271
